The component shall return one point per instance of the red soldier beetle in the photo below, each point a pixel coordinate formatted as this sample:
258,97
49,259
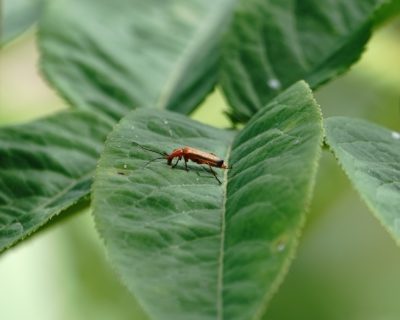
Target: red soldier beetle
188,153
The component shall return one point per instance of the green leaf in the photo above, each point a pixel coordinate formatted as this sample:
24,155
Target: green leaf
370,156
387,11
17,16
273,44
188,247
116,55
45,167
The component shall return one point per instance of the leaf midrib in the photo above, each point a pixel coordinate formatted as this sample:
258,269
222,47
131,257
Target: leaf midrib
220,283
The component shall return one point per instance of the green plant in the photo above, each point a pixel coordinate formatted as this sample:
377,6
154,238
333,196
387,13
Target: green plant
185,246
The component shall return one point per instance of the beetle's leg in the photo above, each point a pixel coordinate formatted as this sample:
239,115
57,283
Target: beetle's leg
214,174
210,171
176,163
186,161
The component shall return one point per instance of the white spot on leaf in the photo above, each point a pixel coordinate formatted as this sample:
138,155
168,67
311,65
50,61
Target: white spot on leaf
274,84
281,246
395,135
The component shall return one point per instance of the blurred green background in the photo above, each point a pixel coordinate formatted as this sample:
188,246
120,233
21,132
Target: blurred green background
347,266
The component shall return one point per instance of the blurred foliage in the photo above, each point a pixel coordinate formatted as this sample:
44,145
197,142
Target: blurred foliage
23,93
17,16
271,45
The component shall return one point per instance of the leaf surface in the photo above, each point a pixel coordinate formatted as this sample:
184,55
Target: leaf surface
273,44
370,156
188,247
114,56
45,167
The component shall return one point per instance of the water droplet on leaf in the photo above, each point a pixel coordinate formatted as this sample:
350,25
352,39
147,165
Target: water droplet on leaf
395,135
281,246
274,84
280,243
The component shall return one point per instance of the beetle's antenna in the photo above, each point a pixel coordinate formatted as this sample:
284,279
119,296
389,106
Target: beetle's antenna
148,162
164,154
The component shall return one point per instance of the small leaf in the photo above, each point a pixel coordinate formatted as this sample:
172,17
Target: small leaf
273,44
117,55
17,16
370,156
188,247
45,167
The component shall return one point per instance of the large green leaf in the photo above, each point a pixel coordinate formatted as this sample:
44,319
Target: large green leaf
45,167
188,247
17,16
273,44
370,155
121,54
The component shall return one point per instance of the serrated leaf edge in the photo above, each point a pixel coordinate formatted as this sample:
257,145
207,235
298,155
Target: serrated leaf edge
368,203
